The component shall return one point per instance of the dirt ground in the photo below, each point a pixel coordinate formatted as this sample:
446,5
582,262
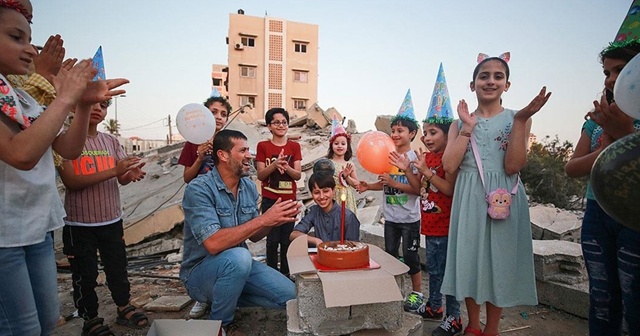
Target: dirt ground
516,321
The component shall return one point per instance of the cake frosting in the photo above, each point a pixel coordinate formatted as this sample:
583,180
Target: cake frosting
348,254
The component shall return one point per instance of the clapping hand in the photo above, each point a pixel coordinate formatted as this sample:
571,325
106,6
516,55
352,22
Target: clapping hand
613,121
467,118
282,162
399,160
282,212
49,61
420,163
534,106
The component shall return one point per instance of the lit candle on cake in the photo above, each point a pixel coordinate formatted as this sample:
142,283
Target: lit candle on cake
343,198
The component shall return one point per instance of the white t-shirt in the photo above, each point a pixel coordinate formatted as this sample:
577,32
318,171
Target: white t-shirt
400,207
29,201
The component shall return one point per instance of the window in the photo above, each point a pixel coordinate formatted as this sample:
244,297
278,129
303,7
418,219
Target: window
217,81
244,100
299,104
300,47
248,41
247,71
300,76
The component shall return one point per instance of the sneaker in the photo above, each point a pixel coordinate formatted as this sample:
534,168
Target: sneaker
413,302
231,329
451,326
198,310
429,314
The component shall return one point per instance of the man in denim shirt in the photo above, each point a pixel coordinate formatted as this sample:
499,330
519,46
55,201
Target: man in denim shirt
221,212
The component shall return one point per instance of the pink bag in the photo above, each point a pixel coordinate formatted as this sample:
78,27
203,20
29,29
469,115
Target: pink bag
499,199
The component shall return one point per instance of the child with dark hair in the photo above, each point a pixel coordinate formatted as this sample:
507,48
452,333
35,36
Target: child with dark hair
436,194
325,216
401,187
278,164
31,208
489,260
340,154
94,223
197,159
610,249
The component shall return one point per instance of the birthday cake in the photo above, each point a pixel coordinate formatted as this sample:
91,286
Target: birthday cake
348,254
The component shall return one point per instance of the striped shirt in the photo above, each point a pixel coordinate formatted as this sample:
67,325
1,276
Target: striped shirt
98,204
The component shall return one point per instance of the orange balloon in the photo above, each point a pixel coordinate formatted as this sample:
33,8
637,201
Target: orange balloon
373,152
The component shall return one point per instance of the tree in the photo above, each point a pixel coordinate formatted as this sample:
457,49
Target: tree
111,126
544,177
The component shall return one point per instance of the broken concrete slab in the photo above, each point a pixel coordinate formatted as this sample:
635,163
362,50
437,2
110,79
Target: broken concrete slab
169,303
370,215
157,222
571,298
317,117
141,300
558,260
550,223
156,246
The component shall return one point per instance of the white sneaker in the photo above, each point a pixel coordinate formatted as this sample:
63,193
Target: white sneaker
198,309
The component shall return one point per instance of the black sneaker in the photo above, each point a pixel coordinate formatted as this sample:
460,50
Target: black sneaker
413,302
429,314
451,326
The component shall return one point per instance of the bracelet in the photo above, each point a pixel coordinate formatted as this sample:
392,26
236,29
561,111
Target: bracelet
465,133
430,177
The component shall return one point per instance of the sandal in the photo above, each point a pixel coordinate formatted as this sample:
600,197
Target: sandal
95,327
469,330
134,320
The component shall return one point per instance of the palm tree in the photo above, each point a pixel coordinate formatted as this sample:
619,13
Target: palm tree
111,126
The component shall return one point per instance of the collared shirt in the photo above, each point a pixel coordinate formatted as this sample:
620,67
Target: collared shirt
327,225
210,206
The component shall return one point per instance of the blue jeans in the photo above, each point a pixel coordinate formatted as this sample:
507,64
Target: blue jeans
436,261
28,289
612,255
410,235
233,279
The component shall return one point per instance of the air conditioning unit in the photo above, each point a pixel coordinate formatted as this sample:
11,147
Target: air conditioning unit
239,46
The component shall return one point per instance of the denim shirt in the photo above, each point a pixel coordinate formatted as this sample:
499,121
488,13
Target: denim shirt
210,206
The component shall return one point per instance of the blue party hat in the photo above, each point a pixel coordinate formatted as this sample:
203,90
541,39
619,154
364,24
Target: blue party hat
440,110
215,93
98,63
406,109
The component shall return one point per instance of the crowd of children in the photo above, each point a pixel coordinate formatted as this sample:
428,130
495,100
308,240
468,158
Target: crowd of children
477,249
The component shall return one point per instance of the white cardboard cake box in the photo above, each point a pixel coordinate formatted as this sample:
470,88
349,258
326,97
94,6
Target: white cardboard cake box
167,327
351,287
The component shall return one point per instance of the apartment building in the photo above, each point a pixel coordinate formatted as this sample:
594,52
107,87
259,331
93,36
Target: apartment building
271,63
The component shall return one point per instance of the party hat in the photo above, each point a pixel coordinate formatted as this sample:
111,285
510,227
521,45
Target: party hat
215,93
98,63
406,110
440,110
629,32
337,128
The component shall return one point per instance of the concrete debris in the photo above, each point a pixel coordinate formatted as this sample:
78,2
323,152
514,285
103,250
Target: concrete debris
549,223
169,303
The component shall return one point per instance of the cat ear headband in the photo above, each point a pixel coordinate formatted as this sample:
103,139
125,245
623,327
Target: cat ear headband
506,56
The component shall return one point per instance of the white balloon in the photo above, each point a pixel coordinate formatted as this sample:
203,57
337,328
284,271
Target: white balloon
196,123
626,91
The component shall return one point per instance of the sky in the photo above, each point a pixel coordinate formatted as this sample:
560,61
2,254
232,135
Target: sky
370,52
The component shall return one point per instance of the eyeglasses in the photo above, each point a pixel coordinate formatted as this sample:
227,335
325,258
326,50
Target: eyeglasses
105,104
279,123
